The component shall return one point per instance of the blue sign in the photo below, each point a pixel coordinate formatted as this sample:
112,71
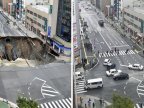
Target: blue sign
49,31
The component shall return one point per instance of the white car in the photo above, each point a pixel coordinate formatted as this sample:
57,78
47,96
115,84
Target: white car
107,62
135,66
79,75
112,72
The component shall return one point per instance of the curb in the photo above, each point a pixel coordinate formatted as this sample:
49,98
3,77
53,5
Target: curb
93,66
13,105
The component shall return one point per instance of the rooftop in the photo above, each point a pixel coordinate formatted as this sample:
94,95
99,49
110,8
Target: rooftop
43,8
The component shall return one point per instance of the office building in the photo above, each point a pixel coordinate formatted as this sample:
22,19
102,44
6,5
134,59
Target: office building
134,23
52,22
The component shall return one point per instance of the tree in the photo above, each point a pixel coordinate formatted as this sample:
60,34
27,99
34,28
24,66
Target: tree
121,102
23,102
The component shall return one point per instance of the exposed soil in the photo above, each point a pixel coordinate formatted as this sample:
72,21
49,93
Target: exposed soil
26,48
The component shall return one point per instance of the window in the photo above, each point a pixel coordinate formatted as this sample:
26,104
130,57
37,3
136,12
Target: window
140,20
39,24
50,11
31,12
43,18
28,11
132,16
35,14
136,18
39,16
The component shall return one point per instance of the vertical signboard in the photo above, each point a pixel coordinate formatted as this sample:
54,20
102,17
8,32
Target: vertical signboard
142,26
49,31
45,24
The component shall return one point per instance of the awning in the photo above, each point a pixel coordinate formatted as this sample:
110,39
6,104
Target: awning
43,33
140,34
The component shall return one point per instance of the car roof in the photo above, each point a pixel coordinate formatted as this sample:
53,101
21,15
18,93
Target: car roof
94,80
77,73
112,69
106,60
136,64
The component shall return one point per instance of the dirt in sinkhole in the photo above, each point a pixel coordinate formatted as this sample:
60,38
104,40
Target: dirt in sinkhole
13,49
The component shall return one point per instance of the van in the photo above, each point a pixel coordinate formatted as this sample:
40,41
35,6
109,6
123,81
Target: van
79,75
94,83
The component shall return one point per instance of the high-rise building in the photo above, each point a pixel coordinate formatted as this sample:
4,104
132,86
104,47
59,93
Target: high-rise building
52,21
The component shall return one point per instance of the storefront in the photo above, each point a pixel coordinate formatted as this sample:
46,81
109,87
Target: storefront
43,35
61,49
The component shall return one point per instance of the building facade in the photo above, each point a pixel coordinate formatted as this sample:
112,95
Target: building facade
5,4
134,23
52,22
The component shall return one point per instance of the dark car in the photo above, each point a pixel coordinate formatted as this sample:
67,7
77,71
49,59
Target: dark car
111,66
121,76
101,23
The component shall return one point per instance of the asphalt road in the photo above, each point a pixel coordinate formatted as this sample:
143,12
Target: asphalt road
105,39
45,83
8,29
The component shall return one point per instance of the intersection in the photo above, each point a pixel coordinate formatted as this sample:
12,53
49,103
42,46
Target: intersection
104,40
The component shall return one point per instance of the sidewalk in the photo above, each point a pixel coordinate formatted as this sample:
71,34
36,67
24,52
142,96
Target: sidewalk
86,101
9,104
89,59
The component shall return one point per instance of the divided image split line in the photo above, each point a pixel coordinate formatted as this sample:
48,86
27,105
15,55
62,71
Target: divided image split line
63,103
122,52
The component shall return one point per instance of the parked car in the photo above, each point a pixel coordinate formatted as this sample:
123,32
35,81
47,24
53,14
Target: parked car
107,62
120,76
135,66
101,23
111,72
79,75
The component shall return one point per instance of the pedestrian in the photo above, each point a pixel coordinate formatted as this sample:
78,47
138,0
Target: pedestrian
93,104
115,49
98,52
85,105
81,99
100,101
118,51
101,54
107,52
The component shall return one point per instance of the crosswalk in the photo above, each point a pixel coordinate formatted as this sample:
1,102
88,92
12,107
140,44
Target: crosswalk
80,86
63,103
122,52
140,90
48,91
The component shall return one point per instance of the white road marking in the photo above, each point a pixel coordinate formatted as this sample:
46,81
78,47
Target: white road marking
62,104
120,46
105,40
123,65
136,79
54,105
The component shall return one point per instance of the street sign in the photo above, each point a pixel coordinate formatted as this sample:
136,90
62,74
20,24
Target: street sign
49,31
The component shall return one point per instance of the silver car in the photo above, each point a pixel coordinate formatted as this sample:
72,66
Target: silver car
135,66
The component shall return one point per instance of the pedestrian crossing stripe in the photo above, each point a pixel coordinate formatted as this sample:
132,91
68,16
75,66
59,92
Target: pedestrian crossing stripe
63,103
48,91
122,52
80,86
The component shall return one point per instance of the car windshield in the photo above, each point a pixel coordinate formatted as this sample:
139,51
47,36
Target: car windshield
136,65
